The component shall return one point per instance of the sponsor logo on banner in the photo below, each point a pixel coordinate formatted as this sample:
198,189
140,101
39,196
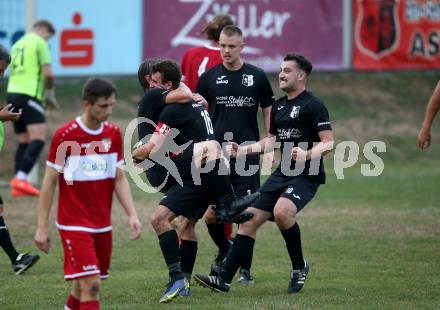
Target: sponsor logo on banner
377,27
247,80
76,45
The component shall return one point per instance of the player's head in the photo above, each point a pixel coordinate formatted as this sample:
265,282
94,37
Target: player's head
294,71
166,74
231,45
99,96
144,72
5,60
214,27
44,29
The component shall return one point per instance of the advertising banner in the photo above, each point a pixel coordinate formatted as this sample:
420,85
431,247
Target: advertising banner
396,34
94,37
271,29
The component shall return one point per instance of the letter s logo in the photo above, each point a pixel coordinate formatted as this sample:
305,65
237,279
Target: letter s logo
76,45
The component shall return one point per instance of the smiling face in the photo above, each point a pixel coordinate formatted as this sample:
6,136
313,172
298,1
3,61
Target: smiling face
290,76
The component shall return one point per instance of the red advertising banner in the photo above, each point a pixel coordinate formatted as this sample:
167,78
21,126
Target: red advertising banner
271,29
396,34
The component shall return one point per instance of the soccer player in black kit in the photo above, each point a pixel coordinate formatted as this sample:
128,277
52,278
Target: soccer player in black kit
300,122
234,91
191,199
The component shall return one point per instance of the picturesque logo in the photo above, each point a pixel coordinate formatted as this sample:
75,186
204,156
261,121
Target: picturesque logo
377,27
221,81
76,45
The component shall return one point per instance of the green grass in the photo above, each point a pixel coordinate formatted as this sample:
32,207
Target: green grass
372,242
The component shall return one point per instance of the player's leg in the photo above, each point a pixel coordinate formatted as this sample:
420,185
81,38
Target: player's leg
292,200
243,245
188,249
20,261
89,287
217,232
73,301
81,265
35,127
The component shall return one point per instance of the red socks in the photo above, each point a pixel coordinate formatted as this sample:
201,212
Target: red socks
72,303
89,305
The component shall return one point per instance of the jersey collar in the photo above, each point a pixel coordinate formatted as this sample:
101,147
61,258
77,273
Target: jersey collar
87,129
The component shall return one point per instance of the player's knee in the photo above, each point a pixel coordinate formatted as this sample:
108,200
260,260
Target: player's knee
248,228
283,213
210,217
1,210
156,219
94,289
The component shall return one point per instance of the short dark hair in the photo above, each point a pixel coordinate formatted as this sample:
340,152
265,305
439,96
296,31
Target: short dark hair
42,23
170,71
214,27
146,68
95,88
232,31
4,54
302,62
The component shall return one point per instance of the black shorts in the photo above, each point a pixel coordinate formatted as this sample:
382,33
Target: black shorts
299,190
190,201
245,185
157,175
32,112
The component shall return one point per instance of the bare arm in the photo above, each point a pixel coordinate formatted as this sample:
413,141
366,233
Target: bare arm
48,76
123,194
42,239
182,94
265,145
149,148
424,137
321,149
266,118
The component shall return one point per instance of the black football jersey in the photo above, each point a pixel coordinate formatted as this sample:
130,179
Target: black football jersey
296,123
191,119
150,106
234,98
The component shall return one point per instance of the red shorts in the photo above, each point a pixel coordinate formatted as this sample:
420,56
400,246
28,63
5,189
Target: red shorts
86,254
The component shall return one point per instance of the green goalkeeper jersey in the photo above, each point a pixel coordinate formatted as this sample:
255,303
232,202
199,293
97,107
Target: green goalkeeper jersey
29,54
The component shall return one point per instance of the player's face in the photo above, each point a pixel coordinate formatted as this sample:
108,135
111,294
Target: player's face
156,81
102,108
3,66
44,33
290,76
230,48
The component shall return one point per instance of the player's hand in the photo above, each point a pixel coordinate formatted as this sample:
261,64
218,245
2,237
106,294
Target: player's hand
232,149
50,102
424,138
135,227
200,99
299,154
42,239
7,113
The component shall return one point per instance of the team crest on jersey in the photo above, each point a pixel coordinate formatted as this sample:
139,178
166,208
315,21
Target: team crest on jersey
377,27
248,80
295,112
107,144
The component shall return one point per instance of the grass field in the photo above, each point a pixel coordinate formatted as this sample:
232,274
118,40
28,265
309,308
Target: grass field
372,242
